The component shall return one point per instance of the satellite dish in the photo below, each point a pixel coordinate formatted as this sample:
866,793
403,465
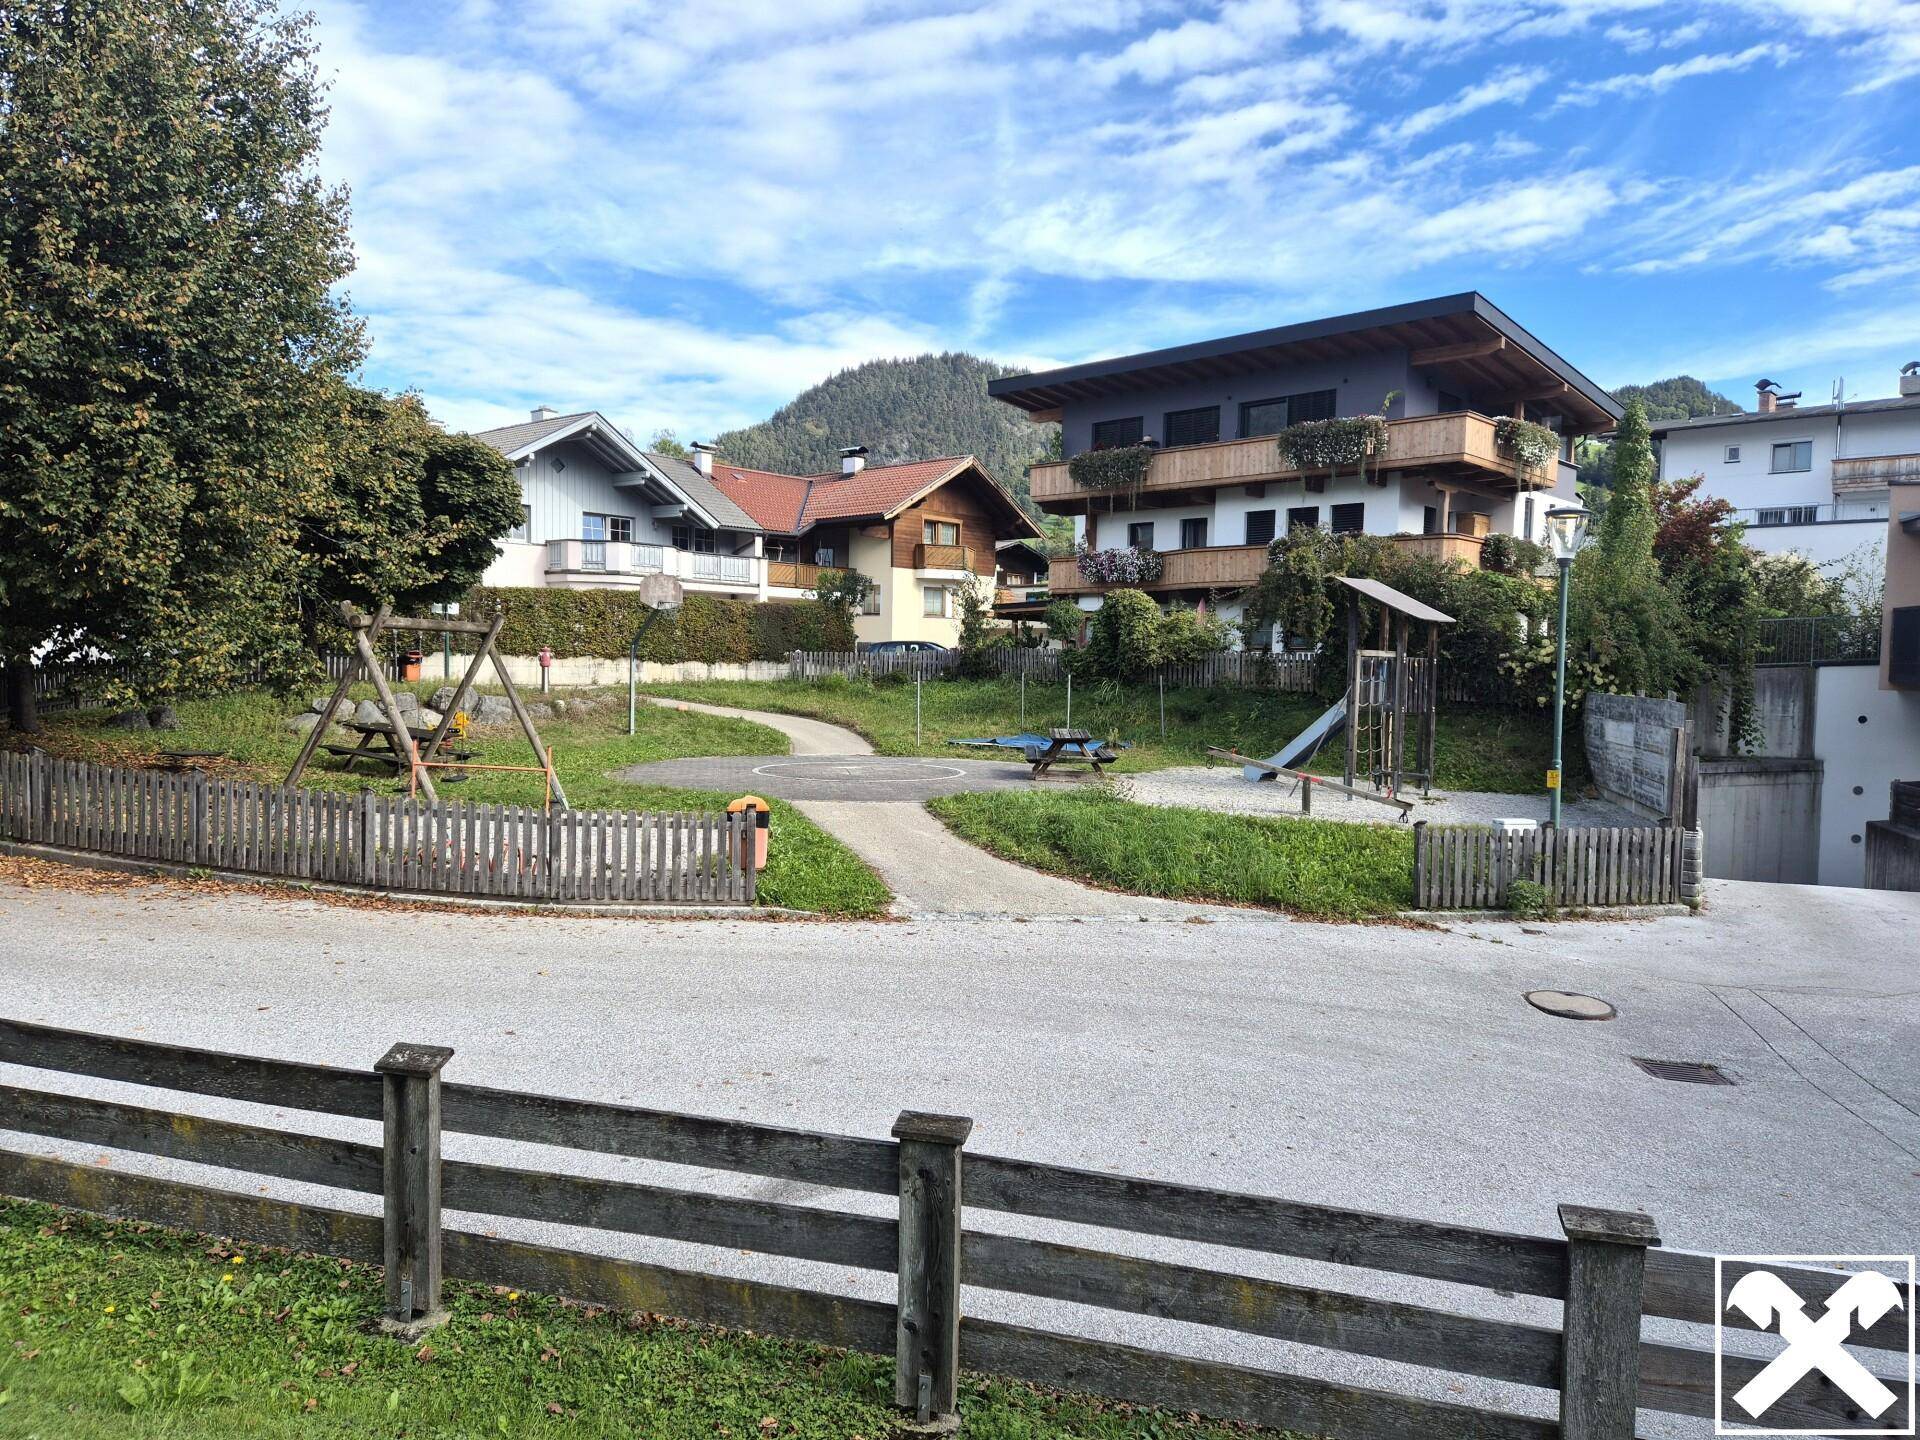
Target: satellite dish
662,592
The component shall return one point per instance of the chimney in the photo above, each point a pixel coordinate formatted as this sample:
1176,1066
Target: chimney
702,457
1910,378
1764,401
853,459
544,412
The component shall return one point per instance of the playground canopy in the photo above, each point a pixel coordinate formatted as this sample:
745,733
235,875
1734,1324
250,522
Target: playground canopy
1394,600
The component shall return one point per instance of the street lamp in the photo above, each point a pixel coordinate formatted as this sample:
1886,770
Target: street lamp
1566,532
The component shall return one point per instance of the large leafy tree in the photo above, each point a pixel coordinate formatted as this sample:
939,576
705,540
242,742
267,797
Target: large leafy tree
170,340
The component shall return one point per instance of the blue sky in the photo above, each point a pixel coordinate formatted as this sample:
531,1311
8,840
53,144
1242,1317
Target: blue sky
683,213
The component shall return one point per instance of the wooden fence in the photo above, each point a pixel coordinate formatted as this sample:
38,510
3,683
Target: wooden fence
1605,1266
1243,670
1469,867
389,842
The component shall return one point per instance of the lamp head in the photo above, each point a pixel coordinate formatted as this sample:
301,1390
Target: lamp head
1567,530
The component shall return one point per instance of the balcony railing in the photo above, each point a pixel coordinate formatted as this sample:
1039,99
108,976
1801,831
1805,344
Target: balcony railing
942,557
1210,567
1444,548
1819,640
1767,516
636,558
1460,441
1871,472
793,574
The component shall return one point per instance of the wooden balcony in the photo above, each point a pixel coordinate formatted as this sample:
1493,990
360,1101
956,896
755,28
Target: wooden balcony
1211,567
1460,445
942,557
793,574
1874,472
1464,548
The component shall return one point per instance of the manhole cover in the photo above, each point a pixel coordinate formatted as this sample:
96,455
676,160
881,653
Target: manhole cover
1569,1006
1687,1072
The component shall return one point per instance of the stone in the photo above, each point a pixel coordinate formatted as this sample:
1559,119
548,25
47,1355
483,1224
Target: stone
368,712
430,718
489,709
161,717
303,722
406,702
441,699
130,720
560,707
319,705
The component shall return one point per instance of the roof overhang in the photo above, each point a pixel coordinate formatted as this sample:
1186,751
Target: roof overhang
597,434
1465,338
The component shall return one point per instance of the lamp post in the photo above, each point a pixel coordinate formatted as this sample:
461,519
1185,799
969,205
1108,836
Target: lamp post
1566,531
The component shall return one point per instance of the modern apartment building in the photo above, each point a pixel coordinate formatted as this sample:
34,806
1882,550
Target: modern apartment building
1807,478
1218,486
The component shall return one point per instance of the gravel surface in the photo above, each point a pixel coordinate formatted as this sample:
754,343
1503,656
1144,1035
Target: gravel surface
1222,787
1372,1067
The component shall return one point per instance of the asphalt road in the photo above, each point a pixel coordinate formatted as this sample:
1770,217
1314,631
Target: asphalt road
1373,1067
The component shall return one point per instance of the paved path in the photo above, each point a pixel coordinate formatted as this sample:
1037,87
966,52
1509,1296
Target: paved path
1379,1068
875,805
1223,787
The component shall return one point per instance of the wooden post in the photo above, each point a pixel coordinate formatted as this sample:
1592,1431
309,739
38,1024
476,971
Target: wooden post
1606,1268
526,721
1431,720
318,732
403,737
461,690
1353,684
927,1323
1419,864
410,1107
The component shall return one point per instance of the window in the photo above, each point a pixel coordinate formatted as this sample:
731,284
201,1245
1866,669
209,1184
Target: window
1430,520
1526,524
525,526
1730,455
620,528
1270,417
1109,433
936,601
1140,535
939,532
1350,519
1260,527
694,538
1791,456
871,605
1447,402
1302,517
825,555
593,527
1193,533
1193,427
780,550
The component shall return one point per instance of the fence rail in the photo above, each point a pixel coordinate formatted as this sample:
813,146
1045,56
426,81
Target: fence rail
389,842
1469,867
1819,640
1603,1270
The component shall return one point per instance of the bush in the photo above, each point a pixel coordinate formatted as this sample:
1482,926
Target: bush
1125,643
1527,899
711,628
1064,621
1187,635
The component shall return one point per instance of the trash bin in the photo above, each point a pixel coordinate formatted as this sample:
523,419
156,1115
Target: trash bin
410,665
761,831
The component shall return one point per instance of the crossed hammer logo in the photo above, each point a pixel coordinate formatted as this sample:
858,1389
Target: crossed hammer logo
1770,1303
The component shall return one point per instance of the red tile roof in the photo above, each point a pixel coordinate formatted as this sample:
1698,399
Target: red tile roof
790,504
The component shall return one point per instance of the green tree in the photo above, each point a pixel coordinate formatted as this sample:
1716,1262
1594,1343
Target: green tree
1125,641
1064,621
1190,635
665,442
978,633
170,336
843,592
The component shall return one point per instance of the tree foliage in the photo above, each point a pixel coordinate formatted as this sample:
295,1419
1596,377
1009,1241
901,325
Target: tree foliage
170,336
918,409
1680,397
1124,640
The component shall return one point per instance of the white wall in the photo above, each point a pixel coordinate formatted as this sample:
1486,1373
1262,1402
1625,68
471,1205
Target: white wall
1859,756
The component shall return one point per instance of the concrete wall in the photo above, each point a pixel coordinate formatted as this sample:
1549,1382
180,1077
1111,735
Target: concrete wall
1903,573
1866,737
1760,819
1783,699
593,670
1635,747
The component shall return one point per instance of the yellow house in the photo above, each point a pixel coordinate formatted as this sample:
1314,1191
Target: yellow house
920,531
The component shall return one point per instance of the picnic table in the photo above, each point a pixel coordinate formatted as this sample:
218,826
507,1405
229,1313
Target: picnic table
1069,747
377,744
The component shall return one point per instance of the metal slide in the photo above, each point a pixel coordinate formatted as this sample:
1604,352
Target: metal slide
1304,746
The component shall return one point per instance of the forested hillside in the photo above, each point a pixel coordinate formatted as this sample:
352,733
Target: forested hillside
1681,398
900,410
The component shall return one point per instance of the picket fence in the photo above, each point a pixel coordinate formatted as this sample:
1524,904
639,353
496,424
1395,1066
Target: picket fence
389,842
1469,867
1588,1364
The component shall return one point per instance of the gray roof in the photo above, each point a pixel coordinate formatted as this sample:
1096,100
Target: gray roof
702,492
509,438
1796,412
1394,599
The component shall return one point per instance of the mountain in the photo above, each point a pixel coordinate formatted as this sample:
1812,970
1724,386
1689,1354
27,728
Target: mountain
900,410
1681,398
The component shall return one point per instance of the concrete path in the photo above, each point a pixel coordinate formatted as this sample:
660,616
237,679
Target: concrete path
875,805
1361,1066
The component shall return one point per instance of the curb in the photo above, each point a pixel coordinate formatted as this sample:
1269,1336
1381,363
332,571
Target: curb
1590,912
87,860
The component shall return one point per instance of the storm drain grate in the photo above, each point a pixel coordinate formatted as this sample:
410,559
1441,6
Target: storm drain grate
1687,1072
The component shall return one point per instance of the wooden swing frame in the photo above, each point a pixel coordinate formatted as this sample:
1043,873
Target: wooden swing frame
420,760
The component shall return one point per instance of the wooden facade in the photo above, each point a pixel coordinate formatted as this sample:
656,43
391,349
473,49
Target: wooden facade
1209,567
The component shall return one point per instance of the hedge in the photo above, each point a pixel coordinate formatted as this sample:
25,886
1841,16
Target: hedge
602,623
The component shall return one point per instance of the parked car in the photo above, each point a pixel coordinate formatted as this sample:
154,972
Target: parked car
901,647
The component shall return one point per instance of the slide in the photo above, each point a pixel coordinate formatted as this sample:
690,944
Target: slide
1304,746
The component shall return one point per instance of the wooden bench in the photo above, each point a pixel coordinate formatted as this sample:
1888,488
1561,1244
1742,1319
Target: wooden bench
1068,747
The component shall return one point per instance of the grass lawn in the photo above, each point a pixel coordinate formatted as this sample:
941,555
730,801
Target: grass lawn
1326,869
108,1331
806,869
1479,748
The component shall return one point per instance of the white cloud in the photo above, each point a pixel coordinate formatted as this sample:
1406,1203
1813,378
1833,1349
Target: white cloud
1507,86
1665,77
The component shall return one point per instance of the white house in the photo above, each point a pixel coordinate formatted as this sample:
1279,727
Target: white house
1812,479
597,511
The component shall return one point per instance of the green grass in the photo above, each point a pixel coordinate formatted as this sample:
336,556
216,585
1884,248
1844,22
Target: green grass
109,1330
1477,748
807,869
1325,869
